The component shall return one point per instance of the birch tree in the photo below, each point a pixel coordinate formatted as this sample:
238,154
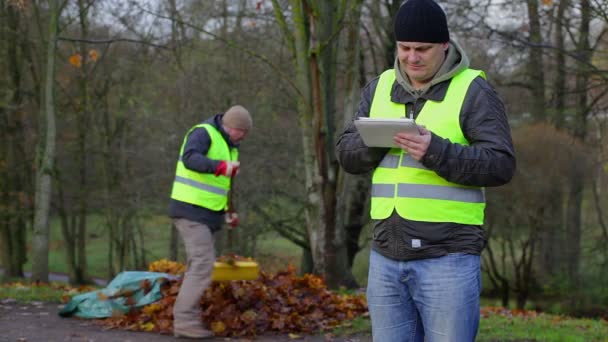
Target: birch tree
46,149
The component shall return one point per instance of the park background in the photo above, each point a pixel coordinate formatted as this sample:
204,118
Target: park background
96,96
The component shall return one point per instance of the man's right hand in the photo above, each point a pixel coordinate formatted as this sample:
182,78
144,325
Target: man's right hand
232,219
227,168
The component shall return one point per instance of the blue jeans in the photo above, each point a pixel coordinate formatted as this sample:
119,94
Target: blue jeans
424,300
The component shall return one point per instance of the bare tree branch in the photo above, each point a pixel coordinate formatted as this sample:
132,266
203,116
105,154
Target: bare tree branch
231,44
110,41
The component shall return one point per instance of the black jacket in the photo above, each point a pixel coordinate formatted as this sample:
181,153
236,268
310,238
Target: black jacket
195,158
489,160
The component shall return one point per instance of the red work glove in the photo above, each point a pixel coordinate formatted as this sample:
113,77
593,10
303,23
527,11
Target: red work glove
227,168
232,219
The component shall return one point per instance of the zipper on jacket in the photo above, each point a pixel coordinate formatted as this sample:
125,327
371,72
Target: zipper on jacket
412,110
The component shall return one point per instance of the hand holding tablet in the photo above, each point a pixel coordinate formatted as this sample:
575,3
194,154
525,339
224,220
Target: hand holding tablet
379,132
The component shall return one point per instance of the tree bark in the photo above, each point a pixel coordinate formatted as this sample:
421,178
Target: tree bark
575,196
353,190
313,47
535,65
559,88
14,167
44,172
74,217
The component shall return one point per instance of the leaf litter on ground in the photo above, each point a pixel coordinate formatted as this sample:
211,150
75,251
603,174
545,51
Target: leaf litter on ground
281,303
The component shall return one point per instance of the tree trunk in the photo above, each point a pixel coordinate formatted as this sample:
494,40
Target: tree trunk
552,236
173,243
40,236
559,88
575,198
306,263
549,229
535,65
74,213
14,168
82,157
352,213
323,72
313,47
390,45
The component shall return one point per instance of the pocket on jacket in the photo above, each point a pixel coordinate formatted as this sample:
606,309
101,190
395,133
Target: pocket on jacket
380,236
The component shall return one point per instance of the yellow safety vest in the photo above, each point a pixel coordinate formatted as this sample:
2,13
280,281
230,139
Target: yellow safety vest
401,183
204,189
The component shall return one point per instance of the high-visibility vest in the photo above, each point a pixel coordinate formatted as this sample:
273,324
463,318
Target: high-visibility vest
403,184
204,189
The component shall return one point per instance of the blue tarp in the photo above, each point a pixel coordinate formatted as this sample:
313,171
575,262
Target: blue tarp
101,304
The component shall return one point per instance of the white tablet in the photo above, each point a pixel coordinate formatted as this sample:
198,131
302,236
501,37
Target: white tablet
379,132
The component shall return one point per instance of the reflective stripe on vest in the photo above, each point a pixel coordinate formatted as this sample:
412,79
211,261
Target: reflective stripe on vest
204,189
402,183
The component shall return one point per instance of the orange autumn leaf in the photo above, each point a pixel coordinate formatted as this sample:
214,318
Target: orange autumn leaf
167,266
249,316
218,327
76,60
147,326
165,325
145,285
93,55
152,308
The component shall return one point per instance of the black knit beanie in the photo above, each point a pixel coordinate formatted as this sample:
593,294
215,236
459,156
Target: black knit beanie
421,21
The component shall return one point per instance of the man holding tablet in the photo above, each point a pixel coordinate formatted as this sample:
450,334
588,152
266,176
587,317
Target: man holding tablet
427,198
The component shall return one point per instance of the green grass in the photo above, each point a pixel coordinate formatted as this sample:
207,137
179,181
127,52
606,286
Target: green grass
357,326
276,253
156,234
541,328
24,292
545,328
361,266
32,294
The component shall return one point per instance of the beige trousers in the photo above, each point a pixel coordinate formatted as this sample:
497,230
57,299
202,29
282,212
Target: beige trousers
200,250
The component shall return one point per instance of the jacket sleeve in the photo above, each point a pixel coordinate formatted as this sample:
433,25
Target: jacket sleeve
353,155
489,160
195,152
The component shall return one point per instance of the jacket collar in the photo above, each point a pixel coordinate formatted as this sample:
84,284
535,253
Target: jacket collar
216,121
434,93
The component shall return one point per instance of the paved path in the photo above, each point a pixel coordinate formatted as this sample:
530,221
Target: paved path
39,322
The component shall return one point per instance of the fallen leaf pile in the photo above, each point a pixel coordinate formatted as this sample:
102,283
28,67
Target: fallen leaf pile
167,266
174,267
274,303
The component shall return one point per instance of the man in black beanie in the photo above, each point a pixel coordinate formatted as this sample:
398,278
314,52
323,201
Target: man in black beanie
427,197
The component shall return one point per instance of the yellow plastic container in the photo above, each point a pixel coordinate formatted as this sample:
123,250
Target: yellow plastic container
240,270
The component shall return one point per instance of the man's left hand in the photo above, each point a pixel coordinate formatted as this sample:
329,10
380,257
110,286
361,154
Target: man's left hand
414,144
